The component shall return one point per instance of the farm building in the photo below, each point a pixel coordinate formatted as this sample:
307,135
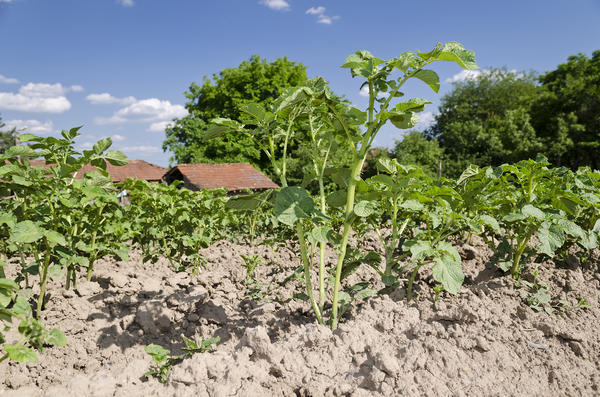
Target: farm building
234,177
138,169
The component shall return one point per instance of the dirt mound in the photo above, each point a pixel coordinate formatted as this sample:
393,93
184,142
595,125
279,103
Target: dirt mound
484,341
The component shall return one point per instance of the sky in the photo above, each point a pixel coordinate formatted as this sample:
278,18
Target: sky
120,68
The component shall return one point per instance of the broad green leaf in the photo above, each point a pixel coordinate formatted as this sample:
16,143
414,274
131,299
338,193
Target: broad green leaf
28,137
116,157
320,234
292,204
405,61
365,293
220,126
387,165
21,353
491,222
412,205
255,110
551,238
248,202
26,232
157,352
54,238
430,78
102,145
8,284
337,199
364,208
533,212
571,228
448,271
513,217
412,105
589,240
70,134
56,337
418,248
455,52
471,170
21,150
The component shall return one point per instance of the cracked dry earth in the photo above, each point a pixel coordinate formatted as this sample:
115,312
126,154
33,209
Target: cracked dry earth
485,341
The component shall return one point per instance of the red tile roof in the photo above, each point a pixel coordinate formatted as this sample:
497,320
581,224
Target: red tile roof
139,169
232,176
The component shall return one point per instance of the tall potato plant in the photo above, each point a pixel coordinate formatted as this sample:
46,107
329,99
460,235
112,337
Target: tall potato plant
314,105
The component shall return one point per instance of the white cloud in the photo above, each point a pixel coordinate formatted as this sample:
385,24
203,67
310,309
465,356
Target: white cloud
152,110
364,91
5,1
316,10
159,126
38,98
106,99
279,5
126,3
76,88
321,17
7,80
426,119
142,148
117,138
464,75
31,126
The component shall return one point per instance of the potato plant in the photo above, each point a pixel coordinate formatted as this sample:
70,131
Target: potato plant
330,121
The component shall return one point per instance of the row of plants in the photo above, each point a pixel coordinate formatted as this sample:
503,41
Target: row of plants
422,216
57,225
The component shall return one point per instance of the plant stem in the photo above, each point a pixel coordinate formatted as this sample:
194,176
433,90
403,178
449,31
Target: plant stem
347,228
306,263
411,280
43,282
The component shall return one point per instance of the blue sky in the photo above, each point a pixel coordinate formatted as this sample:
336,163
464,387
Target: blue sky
120,67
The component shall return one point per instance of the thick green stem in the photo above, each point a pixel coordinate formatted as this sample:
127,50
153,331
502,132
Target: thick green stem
516,268
346,234
306,263
43,282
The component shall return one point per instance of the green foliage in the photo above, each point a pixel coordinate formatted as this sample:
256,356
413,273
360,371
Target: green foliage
486,121
253,81
163,361
7,138
567,114
416,149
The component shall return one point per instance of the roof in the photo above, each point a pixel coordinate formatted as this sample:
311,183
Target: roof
139,169
231,176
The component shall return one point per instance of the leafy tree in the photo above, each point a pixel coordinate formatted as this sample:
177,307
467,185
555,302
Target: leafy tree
416,149
254,80
7,138
567,114
486,121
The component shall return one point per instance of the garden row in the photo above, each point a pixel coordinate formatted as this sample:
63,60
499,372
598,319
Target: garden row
55,225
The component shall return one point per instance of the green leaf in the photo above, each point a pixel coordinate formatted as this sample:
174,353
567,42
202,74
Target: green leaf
551,238
533,212
220,126
54,238
21,353
116,157
405,61
21,150
26,232
364,208
455,52
56,337
430,78
447,270
471,170
491,222
28,137
8,284
412,205
365,293
418,248
292,204
320,234
255,110
337,199
102,145
248,202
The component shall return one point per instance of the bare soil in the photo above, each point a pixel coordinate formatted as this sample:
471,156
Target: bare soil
485,341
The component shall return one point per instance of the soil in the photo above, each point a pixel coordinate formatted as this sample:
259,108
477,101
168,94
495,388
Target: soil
485,341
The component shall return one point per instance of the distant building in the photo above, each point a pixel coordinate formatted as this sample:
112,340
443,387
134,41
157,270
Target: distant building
138,169
234,177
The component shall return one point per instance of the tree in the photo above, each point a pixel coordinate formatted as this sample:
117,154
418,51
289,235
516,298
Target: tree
567,114
7,138
486,121
416,149
254,80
